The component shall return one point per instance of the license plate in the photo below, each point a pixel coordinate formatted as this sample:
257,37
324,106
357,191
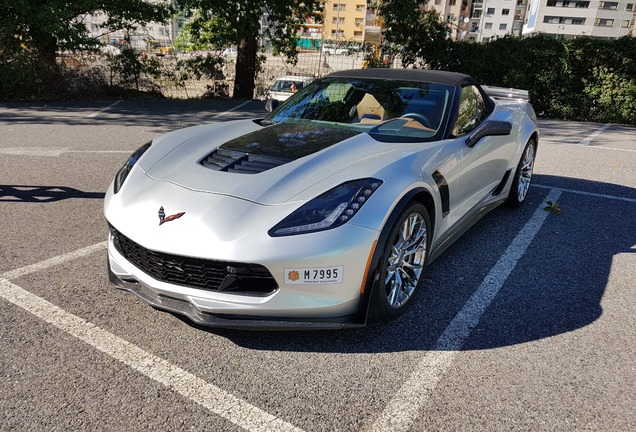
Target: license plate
311,276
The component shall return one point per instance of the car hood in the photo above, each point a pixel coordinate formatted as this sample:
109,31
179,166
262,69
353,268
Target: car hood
263,164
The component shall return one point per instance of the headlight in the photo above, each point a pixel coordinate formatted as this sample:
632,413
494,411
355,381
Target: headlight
329,210
125,170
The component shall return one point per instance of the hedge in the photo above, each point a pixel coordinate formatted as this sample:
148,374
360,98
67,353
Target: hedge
583,79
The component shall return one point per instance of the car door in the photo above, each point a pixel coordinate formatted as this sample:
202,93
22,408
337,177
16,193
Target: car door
480,168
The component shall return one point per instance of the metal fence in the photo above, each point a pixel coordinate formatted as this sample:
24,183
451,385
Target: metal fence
311,63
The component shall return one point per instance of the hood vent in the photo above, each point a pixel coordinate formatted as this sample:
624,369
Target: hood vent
233,161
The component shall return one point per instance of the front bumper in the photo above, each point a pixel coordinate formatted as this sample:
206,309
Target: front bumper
238,322
291,306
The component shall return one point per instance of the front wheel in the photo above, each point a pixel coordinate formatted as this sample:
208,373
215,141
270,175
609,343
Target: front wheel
523,176
402,264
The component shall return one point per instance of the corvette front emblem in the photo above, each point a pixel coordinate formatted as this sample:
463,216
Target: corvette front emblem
163,218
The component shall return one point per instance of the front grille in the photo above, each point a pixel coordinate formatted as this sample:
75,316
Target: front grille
239,162
209,275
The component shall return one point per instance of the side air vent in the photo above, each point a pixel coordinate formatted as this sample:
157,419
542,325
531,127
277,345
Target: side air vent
443,192
239,162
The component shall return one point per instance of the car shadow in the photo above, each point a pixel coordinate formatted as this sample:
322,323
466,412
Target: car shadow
42,194
555,288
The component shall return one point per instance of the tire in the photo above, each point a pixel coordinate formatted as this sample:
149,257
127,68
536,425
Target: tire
402,263
523,176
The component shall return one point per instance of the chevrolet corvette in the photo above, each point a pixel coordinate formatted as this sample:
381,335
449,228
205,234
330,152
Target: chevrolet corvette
325,213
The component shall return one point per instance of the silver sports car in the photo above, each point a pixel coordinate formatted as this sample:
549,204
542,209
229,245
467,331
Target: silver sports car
325,213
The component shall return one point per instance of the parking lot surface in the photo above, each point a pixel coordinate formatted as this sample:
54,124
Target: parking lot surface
527,322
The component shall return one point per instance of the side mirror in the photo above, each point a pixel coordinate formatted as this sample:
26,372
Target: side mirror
488,128
271,104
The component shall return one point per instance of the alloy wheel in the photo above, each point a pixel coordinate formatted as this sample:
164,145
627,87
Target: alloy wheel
406,261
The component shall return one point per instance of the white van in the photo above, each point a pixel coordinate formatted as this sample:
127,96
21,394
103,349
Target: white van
285,86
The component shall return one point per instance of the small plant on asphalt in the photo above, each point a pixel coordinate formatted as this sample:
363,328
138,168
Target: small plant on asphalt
553,207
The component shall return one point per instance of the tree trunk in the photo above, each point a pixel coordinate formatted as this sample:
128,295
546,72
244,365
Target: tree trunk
47,49
245,69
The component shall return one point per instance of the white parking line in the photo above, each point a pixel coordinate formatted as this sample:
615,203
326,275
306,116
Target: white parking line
406,406
593,135
230,110
213,398
60,259
593,194
96,113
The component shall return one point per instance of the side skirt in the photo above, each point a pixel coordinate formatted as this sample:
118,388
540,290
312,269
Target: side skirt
461,227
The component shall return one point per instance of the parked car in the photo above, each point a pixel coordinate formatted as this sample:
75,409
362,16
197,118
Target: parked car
326,212
229,53
110,50
332,49
284,87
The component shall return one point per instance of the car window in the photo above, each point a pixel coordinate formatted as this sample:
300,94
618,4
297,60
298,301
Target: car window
472,111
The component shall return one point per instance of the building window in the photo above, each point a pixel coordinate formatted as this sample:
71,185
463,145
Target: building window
505,11
336,20
361,8
629,7
563,20
604,22
476,13
339,6
519,2
490,11
503,26
359,21
452,2
608,5
568,4
625,24
488,26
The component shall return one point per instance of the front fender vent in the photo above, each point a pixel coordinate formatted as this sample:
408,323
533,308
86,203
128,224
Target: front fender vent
233,161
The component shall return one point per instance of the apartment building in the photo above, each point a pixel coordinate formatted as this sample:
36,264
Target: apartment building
161,34
482,20
565,19
456,13
344,20
491,19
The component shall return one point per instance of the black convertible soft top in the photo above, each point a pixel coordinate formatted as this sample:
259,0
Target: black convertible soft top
436,76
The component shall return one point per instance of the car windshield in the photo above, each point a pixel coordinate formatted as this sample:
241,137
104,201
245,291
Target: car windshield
388,110
286,86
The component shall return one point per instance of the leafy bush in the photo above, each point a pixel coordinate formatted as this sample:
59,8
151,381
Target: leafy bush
583,79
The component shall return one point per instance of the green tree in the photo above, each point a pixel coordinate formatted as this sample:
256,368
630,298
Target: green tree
420,33
46,26
221,23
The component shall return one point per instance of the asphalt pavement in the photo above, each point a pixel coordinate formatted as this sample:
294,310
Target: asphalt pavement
528,322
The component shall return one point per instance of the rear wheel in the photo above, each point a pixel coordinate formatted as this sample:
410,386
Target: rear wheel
402,264
523,176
